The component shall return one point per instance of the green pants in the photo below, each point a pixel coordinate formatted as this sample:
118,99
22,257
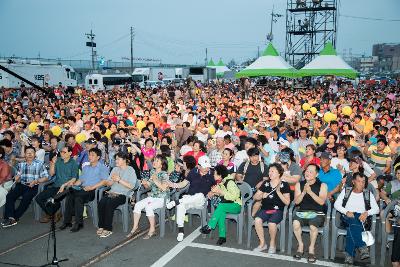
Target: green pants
219,216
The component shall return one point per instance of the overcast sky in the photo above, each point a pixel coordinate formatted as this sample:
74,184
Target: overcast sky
175,31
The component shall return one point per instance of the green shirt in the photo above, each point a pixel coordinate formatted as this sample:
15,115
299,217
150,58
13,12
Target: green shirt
393,189
155,191
65,171
171,164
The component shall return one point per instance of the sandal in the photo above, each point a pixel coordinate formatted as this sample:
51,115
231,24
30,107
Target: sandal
311,258
105,234
149,235
132,233
298,255
99,231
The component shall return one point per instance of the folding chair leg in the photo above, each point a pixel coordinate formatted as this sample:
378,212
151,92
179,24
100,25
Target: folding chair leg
372,251
162,223
282,238
203,217
190,220
249,232
37,210
383,246
333,248
290,240
326,245
125,219
240,230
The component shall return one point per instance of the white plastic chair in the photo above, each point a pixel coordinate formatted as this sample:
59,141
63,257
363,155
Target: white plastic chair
281,227
323,231
246,194
340,232
160,212
386,237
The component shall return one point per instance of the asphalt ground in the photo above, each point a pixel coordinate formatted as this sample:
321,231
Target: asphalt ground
26,244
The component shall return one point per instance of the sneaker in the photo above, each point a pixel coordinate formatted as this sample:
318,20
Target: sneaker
272,250
348,259
4,221
180,237
170,205
205,230
259,249
364,253
9,222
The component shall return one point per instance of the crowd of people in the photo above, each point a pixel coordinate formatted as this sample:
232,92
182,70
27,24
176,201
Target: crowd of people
310,146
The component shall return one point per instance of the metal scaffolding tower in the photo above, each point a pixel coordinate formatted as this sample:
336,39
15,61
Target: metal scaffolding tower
310,24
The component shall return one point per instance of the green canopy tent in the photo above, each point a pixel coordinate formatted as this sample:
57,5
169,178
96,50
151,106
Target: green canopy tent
211,64
221,68
269,64
328,63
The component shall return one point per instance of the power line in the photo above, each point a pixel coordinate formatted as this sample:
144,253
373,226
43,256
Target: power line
369,18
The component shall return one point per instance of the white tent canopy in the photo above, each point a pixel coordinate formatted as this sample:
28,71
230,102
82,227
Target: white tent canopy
328,63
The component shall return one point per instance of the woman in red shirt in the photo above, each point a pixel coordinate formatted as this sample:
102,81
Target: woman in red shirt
309,157
197,151
112,117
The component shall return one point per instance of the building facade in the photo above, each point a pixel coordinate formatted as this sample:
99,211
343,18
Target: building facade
388,56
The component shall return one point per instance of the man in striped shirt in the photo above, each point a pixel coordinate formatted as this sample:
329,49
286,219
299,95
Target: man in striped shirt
380,156
30,174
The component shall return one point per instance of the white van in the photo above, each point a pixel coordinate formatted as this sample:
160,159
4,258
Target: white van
99,82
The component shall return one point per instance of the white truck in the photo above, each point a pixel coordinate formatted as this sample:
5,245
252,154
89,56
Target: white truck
202,74
36,72
152,74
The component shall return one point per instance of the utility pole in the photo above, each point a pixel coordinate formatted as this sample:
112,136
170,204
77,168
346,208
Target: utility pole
132,37
270,36
206,59
258,51
91,44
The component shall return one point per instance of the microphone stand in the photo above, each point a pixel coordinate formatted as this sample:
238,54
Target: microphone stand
55,261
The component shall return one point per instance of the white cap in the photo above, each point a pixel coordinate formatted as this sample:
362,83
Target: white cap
284,142
204,162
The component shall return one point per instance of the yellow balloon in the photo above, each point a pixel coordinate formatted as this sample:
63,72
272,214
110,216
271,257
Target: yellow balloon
32,127
315,140
328,117
347,110
211,130
56,130
306,106
313,110
108,134
80,138
321,140
140,125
